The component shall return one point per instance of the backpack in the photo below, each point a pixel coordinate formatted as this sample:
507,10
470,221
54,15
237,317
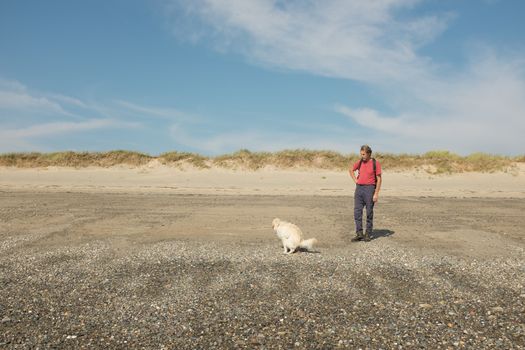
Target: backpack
374,165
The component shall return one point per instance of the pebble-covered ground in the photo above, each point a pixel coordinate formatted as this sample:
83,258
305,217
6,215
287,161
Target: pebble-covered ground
80,270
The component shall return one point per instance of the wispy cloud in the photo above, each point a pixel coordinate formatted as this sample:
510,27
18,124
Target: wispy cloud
21,101
12,85
27,117
481,110
259,140
68,100
476,107
157,112
30,138
17,101
55,128
34,121
360,40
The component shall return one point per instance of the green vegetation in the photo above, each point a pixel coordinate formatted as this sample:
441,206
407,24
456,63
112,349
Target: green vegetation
434,162
74,159
445,162
243,159
312,159
181,158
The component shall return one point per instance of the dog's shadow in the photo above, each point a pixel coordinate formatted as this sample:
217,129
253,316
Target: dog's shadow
381,233
304,250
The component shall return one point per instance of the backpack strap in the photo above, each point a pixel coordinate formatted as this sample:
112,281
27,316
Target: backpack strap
375,171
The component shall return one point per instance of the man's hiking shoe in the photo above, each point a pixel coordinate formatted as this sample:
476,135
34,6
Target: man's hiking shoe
358,237
366,238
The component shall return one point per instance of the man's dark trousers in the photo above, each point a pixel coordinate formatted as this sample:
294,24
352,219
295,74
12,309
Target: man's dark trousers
363,196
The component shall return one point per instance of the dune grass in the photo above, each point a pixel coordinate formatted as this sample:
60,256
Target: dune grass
74,159
243,159
285,159
445,162
434,162
181,158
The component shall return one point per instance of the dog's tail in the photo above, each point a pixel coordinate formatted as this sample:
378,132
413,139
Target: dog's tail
308,243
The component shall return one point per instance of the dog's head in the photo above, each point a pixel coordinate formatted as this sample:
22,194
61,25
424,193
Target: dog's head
275,223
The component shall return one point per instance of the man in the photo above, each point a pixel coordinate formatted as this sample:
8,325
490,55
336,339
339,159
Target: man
368,184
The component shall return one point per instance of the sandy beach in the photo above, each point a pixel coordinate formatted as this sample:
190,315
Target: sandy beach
163,258
158,178
147,146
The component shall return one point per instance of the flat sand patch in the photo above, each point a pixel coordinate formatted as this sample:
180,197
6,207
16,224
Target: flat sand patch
163,179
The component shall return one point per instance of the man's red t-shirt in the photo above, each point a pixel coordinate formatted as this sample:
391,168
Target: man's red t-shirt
366,173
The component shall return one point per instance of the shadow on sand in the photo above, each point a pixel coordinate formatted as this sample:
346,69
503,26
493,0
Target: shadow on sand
381,233
304,250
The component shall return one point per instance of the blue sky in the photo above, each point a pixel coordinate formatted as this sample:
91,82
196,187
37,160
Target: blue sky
215,76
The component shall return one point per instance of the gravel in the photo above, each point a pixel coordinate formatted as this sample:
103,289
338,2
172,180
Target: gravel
188,292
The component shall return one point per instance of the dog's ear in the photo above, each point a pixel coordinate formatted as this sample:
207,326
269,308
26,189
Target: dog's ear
275,223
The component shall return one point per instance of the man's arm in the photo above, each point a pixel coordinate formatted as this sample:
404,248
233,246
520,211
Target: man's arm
378,187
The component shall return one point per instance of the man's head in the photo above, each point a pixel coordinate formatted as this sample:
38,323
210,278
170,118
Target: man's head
366,152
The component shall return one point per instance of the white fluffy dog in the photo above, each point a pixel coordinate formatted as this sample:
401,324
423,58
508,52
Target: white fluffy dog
291,236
